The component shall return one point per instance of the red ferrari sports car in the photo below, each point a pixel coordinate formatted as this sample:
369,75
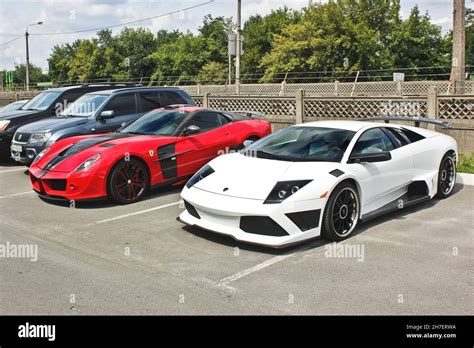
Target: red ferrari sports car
163,147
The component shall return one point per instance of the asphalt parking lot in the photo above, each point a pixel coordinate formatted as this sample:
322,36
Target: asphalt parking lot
101,258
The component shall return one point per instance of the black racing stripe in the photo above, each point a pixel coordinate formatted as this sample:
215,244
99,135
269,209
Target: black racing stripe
82,145
168,161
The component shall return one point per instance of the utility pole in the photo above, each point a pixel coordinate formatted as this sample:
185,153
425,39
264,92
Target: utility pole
27,62
229,79
28,56
238,49
459,58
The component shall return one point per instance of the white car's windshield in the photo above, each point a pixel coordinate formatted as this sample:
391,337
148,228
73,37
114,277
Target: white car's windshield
85,106
303,144
41,101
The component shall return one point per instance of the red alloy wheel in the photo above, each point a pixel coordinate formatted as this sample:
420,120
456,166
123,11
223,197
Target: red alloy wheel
129,181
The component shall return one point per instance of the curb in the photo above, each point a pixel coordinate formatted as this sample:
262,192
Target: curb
465,179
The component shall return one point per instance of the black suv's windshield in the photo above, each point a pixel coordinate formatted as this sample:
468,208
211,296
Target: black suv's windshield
41,101
303,144
85,106
157,122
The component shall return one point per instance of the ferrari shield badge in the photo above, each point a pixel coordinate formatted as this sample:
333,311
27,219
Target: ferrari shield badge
151,153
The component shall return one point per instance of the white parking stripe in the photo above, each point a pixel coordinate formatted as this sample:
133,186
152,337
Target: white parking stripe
138,212
224,283
12,170
16,194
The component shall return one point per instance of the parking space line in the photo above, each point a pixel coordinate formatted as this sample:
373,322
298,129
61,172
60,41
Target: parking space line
138,212
12,170
224,283
16,194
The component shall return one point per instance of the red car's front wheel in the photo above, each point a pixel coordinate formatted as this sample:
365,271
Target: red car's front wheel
128,181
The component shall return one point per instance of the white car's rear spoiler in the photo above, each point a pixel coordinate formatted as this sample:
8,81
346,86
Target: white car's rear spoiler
417,120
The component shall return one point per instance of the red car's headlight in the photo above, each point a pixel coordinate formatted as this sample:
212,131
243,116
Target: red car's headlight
41,154
87,163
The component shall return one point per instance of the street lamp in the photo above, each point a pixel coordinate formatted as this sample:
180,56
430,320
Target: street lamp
28,55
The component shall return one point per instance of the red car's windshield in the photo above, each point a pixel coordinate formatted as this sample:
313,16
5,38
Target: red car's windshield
158,122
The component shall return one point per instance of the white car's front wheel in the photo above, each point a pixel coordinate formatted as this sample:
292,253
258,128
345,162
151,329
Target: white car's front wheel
342,212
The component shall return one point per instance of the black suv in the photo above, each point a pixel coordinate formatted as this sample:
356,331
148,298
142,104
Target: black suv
45,104
93,113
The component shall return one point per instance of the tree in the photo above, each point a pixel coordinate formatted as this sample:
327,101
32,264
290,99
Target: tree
135,45
180,60
216,31
327,41
258,35
35,72
351,35
182,57
82,66
420,44
212,73
59,60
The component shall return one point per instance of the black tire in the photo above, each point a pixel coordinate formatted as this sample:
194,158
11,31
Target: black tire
128,181
446,175
341,214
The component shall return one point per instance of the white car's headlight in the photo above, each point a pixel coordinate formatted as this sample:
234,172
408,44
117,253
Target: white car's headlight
39,137
87,163
4,124
201,174
40,155
284,189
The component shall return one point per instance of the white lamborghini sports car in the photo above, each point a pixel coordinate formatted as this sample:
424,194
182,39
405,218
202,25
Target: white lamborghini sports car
320,178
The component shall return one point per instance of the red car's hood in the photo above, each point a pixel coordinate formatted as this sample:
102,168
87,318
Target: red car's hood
66,155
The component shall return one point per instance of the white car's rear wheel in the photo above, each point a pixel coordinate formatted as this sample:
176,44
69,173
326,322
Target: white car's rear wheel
446,175
342,212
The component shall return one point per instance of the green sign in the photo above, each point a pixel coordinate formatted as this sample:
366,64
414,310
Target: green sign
44,84
9,79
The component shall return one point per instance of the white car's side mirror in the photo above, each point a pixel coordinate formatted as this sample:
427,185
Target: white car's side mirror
247,143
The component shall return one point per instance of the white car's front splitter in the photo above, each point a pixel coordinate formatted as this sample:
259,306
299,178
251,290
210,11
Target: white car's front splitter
223,214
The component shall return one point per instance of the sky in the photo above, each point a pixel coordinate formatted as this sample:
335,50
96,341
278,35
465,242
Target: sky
72,15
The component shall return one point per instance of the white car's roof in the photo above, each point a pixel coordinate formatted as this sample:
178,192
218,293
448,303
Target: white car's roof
340,124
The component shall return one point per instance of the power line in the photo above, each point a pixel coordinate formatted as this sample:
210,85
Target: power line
127,23
6,43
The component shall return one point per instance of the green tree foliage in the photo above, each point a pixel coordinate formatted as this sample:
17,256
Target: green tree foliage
324,40
35,72
212,73
366,34
181,57
180,60
60,59
123,55
258,35
420,43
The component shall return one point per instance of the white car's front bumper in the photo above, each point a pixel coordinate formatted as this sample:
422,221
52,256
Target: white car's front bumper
223,214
